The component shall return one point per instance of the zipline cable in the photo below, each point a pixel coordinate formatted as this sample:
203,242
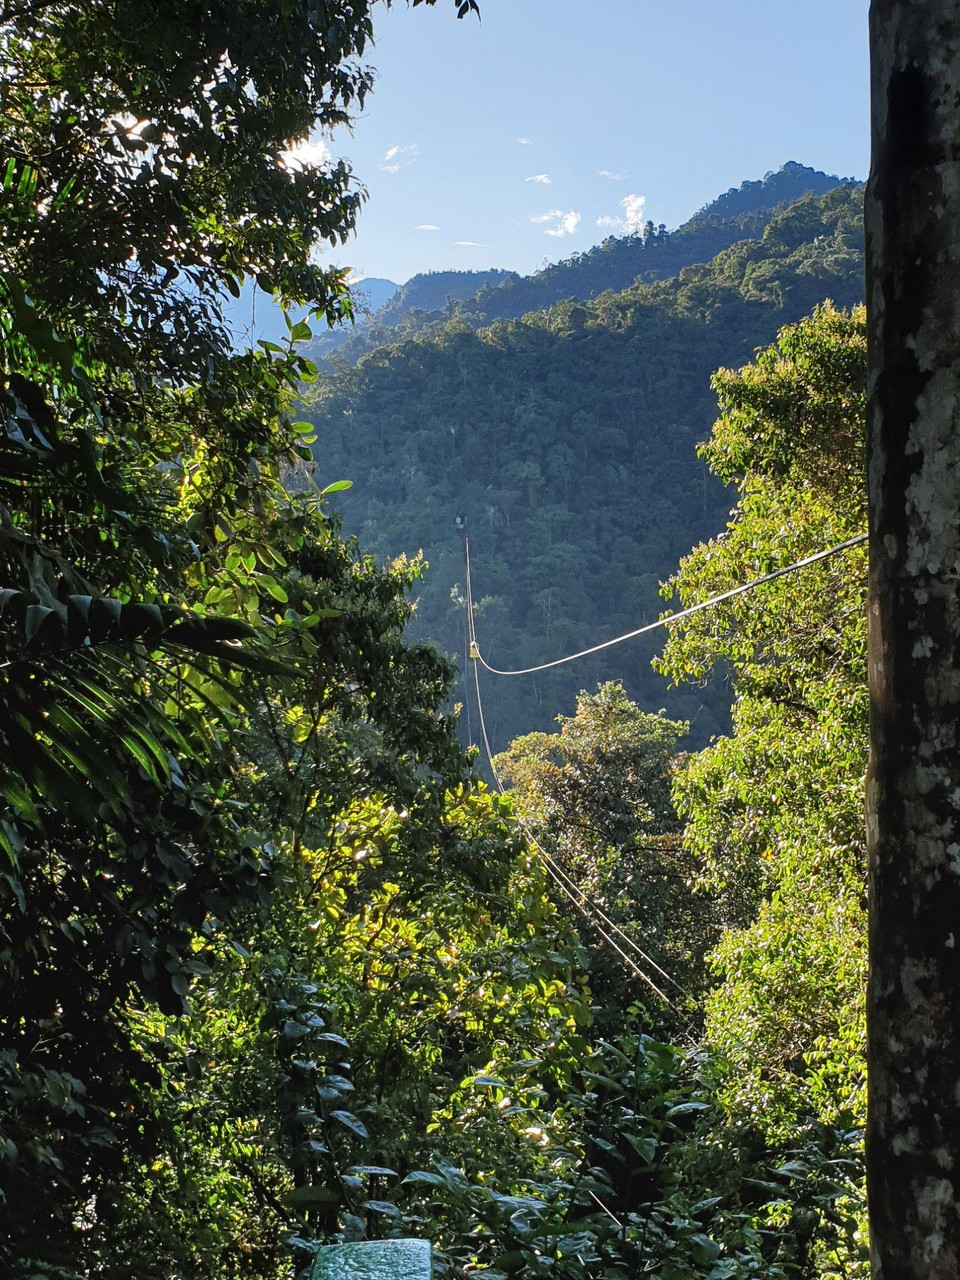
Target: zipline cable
583,903
661,622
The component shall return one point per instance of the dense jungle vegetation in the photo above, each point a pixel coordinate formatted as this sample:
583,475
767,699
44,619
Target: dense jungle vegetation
276,967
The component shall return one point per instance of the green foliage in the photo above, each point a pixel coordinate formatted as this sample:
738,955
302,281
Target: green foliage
650,1179
597,796
774,811
121,127
318,1058
148,591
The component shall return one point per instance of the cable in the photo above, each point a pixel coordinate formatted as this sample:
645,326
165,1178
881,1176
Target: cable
661,622
471,634
567,884
601,914
581,902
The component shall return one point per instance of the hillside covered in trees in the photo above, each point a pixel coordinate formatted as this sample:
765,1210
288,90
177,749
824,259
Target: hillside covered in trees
568,441
615,264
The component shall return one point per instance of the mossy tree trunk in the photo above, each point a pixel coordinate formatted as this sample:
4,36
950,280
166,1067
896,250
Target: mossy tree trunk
913,793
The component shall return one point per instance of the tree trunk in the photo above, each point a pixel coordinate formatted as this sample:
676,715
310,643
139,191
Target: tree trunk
913,791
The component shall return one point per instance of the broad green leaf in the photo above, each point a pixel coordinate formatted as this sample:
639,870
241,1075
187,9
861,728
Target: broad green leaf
350,1121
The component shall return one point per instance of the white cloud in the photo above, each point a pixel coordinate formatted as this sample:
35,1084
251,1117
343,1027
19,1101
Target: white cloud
306,153
543,178
631,221
426,226
566,223
525,142
633,208
614,177
471,244
396,158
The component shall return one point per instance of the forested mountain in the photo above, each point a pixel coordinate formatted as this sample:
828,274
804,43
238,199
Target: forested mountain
615,264
434,290
568,441
782,186
656,253
404,306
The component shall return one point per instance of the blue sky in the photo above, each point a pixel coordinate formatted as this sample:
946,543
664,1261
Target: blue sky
553,123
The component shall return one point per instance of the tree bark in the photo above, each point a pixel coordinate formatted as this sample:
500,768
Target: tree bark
913,790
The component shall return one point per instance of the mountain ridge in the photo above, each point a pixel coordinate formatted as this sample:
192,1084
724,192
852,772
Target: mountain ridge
614,264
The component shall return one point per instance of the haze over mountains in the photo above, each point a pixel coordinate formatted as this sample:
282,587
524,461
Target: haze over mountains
560,413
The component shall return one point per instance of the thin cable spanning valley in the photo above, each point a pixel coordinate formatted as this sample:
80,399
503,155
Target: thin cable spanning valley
660,622
571,890
591,910
583,903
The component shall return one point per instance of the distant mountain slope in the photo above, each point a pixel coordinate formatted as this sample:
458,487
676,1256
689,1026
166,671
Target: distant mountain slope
369,295
435,290
372,293
428,293
568,440
788,183
255,316
653,254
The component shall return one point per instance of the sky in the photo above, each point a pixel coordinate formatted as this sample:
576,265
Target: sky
550,124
